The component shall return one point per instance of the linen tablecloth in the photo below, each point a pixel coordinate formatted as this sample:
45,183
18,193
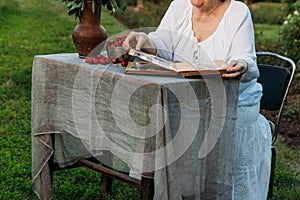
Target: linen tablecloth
181,129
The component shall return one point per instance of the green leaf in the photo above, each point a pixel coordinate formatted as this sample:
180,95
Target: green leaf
93,6
75,6
82,6
121,4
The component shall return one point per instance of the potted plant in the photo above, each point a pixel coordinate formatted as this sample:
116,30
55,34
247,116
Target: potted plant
89,33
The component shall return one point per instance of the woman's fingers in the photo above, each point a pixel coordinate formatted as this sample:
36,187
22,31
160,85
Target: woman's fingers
134,40
235,69
130,41
232,75
139,41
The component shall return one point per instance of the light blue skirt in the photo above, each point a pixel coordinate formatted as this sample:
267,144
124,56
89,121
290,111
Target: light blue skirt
253,155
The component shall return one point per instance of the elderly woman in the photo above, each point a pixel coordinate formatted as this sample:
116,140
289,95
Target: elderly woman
222,29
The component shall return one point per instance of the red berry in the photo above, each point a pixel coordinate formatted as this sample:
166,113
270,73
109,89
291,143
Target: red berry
88,60
95,60
115,61
101,61
124,63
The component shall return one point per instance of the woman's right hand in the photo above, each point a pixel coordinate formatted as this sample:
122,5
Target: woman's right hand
139,41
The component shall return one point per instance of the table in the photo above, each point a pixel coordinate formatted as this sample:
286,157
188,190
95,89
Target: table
181,130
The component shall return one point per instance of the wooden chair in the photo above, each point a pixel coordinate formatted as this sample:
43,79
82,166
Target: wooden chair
276,80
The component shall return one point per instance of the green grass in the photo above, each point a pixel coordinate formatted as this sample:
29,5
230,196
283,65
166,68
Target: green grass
29,28
32,27
267,37
287,179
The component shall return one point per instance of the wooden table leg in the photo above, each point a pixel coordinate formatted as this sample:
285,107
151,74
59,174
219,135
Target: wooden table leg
147,188
106,185
51,160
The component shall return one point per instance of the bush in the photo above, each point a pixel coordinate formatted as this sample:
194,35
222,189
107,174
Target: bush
149,16
290,5
268,13
290,31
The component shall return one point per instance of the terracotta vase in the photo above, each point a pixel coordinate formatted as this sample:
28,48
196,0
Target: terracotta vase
89,33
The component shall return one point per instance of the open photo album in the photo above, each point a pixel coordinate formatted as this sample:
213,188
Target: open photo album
147,64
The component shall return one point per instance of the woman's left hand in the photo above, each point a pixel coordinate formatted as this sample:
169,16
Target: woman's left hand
235,69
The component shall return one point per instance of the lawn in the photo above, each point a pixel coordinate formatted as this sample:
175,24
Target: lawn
34,27
30,28
267,37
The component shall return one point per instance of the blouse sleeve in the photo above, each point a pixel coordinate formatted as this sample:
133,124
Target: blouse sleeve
243,46
166,35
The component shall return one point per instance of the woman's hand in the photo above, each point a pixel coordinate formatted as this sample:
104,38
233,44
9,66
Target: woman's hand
140,42
235,69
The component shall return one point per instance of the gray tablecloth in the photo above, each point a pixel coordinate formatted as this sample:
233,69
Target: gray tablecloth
182,129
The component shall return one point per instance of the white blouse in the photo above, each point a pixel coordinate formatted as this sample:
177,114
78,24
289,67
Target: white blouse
232,40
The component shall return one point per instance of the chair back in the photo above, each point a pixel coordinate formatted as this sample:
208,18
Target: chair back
275,81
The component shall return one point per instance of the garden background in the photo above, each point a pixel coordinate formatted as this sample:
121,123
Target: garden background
35,27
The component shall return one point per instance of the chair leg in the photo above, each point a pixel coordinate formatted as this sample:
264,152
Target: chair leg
271,184
106,181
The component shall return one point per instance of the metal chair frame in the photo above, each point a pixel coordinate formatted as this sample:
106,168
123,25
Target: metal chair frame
275,125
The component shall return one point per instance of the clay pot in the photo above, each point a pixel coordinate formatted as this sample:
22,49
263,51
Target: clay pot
89,33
